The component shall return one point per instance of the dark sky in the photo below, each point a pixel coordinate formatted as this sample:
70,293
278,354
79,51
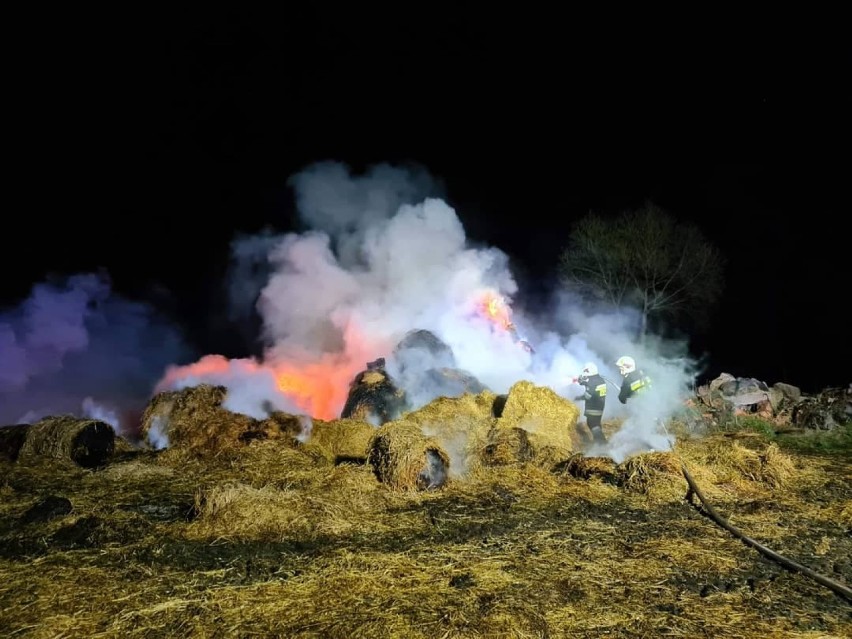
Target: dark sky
148,147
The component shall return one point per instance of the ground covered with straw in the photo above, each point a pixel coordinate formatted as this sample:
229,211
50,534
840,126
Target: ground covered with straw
268,540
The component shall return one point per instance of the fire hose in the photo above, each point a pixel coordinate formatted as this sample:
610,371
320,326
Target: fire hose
837,587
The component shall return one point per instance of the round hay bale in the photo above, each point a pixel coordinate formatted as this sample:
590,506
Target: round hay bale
422,349
346,440
373,398
459,424
11,440
405,459
86,442
582,467
193,419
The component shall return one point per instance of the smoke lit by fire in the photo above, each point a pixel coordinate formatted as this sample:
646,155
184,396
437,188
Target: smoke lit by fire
385,255
494,307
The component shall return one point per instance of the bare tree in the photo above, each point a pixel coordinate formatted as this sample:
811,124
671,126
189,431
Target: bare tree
647,260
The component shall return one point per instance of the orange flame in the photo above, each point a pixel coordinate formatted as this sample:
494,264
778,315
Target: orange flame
494,308
316,385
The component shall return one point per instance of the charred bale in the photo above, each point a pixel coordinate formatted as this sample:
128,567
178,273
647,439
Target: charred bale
86,442
11,440
373,398
582,467
423,350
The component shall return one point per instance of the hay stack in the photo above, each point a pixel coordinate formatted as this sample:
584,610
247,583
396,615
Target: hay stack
342,440
193,419
86,442
535,425
746,457
460,425
641,473
373,397
405,459
11,440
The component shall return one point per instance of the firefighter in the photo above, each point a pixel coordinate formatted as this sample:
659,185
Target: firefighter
594,398
634,380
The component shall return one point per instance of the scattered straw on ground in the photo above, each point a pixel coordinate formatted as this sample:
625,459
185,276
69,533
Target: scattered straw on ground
266,540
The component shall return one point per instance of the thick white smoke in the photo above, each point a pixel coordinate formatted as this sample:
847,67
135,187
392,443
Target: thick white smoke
384,255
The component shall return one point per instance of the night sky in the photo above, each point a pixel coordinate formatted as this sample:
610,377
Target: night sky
150,148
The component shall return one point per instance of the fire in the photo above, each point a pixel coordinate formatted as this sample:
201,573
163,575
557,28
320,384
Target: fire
317,389
315,384
495,309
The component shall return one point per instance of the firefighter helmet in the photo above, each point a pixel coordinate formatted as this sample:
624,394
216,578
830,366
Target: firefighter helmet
625,364
589,369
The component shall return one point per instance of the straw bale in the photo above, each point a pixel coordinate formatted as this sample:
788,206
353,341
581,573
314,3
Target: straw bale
346,440
419,344
86,442
279,425
194,419
373,398
534,425
539,410
405,459
448,382
459,424
11,440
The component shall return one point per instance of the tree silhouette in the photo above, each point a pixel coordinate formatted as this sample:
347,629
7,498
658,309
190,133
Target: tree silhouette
647,260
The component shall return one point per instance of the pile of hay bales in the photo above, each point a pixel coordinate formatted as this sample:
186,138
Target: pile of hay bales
86,442
534,425
194,419
452,436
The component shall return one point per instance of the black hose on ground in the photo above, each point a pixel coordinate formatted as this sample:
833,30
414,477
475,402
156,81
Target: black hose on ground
839,588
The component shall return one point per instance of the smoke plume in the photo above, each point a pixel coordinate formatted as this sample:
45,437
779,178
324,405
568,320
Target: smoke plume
383,254
73,347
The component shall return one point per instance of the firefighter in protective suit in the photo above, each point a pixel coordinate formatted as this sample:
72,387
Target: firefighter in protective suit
634,380
594,398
